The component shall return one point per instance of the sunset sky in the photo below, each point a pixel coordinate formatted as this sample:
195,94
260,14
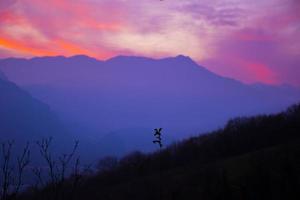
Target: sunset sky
249,40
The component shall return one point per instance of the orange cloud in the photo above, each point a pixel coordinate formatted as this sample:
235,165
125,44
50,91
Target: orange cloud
19,46
25,34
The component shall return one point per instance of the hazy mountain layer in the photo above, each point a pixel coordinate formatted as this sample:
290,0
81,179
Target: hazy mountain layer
125,95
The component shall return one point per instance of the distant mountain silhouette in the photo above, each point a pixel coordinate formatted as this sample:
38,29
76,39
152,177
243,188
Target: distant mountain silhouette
125,92
24,118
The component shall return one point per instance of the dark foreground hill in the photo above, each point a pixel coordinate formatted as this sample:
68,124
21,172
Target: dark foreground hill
250,158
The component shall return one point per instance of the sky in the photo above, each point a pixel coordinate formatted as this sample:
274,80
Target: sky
248,40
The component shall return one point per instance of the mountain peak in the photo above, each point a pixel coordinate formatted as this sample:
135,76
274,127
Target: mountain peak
122,58
183,58
180,56
82,56
178,59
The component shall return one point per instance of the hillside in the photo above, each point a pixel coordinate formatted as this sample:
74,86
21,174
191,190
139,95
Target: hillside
25,118
2,76
250,158
125,94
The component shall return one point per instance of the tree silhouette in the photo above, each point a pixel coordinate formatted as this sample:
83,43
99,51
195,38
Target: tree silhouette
12,170
158,141
157,135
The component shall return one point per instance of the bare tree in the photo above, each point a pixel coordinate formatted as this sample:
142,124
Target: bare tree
22,162
76,177
65,160
76,173
57,167
10,179
44,146
37,171
6,169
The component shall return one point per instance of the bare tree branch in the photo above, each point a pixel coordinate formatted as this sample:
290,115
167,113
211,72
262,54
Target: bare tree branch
44,146
65,160
22,162
6,169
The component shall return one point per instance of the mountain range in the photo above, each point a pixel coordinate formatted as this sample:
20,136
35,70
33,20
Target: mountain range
125,97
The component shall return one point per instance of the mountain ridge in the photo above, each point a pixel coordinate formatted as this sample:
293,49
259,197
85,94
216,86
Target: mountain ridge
126,57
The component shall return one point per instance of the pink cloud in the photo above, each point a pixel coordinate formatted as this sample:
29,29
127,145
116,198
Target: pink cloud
255,55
